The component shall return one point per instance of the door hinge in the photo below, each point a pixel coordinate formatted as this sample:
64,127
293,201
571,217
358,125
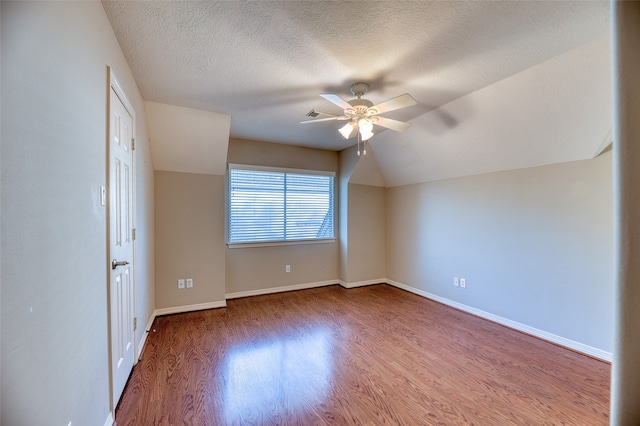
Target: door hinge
133,233
133,144
135,323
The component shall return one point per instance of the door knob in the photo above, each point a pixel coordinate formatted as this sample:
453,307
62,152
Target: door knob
115,263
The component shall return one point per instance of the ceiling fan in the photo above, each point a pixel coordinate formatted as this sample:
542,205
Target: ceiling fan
362,114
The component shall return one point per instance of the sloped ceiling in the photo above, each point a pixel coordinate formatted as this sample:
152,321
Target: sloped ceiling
187,140
554,112
470,65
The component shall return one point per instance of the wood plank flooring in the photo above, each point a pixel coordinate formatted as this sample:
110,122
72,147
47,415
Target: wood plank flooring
374,355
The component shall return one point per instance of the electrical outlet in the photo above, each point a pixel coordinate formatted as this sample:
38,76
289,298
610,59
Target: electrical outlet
189,282
287,268
456,282
180,283
463,283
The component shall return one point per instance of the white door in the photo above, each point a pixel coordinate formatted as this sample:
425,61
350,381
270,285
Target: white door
121,288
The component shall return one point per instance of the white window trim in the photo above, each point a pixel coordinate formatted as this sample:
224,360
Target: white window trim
282,170
236,245
281,243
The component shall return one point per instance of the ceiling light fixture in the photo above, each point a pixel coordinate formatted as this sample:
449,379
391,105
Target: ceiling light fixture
347,130
362,114
363,127
366,129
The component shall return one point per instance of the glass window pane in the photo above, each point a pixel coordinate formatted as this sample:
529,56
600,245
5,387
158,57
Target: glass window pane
279,206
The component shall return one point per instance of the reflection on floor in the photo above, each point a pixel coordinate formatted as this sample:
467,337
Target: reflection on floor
280,374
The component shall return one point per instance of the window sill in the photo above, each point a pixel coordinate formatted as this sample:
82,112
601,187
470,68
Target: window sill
279,243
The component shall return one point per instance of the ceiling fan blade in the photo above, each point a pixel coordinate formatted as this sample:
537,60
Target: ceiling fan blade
392,104
398,126
315,120
336,100
314,113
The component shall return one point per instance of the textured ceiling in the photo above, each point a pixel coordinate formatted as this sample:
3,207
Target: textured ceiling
265,62
554,112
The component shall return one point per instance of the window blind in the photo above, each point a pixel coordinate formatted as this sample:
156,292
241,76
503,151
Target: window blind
272,205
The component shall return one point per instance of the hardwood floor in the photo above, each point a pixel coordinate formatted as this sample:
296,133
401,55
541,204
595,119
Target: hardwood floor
365,356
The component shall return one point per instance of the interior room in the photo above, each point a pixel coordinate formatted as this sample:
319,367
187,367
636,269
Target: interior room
499,180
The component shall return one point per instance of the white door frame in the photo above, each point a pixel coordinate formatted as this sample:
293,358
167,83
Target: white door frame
117,88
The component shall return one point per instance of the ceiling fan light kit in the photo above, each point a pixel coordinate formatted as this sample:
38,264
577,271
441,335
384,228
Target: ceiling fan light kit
362,114
366,129
347,131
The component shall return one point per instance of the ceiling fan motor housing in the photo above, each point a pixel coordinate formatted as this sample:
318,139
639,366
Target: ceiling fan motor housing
361,109
356,103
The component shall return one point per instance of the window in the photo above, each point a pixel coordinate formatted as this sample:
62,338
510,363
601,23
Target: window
279,205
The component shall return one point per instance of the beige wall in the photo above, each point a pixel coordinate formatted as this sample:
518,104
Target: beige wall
366,257
261,268
189,229
55,367
348,163
185,235
257,153
535,245
362,220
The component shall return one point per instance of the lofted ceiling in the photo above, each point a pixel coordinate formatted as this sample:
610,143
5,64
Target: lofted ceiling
499,85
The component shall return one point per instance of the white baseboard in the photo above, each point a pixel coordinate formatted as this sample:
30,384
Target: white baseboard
189,308
109,421
558,340
272,290
362,283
